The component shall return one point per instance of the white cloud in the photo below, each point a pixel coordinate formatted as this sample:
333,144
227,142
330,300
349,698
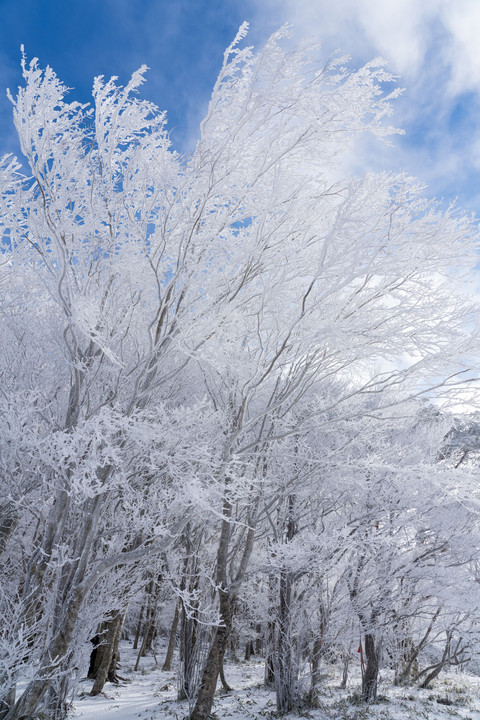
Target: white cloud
461,19
433,46
397,30
401,31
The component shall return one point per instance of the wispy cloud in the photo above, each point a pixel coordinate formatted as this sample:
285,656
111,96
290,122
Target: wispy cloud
433,46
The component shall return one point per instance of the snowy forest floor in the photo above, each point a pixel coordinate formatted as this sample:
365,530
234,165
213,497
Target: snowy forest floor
150,694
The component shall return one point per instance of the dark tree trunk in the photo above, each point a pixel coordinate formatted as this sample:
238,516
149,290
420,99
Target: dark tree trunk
188,632
208,683
258,640
188,640
249,650
107,654
223,680
167,665
94,658
149,629
227,594
203,705
150,632
285,671
139,628
269,664
370,676
431,676
316,676
234,646
150,626
115,660
204,702
436,669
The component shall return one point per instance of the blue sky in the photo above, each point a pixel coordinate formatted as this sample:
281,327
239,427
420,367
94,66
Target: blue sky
431,44
182,42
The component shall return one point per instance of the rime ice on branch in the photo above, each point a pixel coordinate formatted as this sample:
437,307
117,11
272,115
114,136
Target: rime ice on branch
189,348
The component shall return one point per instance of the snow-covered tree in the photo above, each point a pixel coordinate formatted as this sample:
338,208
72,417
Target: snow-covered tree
170,324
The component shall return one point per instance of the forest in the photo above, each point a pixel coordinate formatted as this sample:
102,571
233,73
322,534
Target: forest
231,391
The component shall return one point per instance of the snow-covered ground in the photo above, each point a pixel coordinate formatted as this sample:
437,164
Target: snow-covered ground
150,694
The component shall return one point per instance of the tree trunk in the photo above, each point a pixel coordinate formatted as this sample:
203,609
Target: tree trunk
188,640
171,642
269,678
208,683
438,667
69,599
150,633
227,599
315,679
370,676
28,705
139,628
258,640
8,521
7,701
285,672
406,665
149,628
316,657
150,618
249,650
223,679
346,663
234,646
108,653
95,657
204,702
56,705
